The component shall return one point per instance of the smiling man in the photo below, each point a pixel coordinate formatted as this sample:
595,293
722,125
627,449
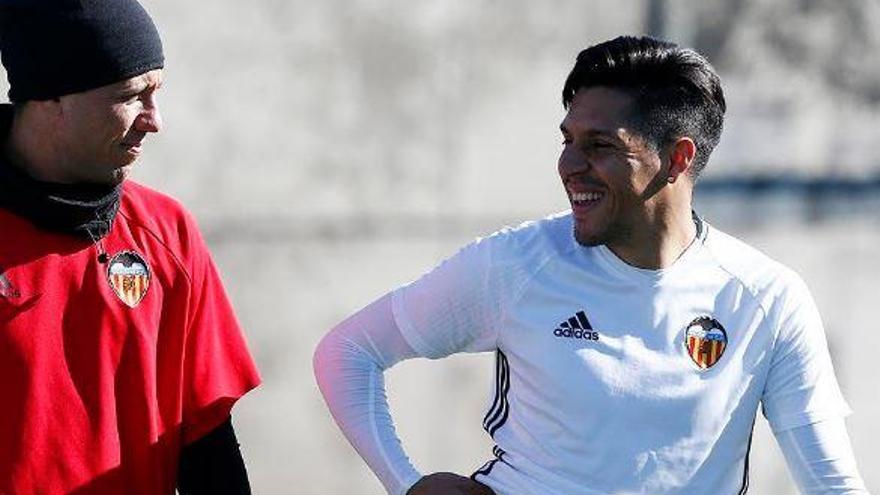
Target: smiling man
120,356
634,342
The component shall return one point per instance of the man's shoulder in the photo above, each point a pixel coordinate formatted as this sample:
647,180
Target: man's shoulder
753,268
142,201
161,215
545,237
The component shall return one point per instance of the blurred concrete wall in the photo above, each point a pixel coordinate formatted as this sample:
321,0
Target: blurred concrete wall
333,150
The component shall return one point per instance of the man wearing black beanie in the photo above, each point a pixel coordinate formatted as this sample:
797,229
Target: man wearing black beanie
120,355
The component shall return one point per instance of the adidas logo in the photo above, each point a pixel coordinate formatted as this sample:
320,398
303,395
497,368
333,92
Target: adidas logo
576,327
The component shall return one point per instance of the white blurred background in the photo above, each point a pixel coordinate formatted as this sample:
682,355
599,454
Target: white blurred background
334,150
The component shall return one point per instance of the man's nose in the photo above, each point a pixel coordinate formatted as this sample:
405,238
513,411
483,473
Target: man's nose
149,120
572,161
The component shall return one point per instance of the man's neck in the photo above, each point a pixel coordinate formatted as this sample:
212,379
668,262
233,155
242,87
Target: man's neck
86,211
660,243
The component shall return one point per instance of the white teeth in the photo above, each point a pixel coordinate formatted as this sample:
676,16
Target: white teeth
590,196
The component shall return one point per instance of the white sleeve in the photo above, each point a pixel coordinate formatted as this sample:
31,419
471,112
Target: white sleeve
820,458
349,364
451,309
801,386
455,307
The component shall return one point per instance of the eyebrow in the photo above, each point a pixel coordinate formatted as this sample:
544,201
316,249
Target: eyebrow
137,86
130,89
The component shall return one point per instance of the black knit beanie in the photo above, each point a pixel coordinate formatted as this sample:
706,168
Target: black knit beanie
52,48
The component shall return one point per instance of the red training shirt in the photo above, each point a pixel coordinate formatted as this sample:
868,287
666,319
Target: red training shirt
108,368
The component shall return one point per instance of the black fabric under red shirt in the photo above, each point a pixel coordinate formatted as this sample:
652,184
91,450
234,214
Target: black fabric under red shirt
109,365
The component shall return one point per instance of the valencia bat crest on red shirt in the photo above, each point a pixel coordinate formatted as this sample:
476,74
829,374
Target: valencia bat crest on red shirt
129,276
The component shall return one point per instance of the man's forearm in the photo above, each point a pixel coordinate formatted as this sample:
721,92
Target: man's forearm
349,364
821,459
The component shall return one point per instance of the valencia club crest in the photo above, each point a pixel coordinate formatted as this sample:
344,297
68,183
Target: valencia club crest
705,340
129,276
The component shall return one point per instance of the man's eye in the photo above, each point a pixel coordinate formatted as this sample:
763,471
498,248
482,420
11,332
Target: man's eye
602,147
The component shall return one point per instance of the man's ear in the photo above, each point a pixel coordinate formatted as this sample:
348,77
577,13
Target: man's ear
682,153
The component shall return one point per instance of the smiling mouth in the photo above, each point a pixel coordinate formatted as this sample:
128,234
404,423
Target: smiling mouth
585,198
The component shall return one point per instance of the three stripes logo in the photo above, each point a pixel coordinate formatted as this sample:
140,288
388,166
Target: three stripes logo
487,467
497,414
576,327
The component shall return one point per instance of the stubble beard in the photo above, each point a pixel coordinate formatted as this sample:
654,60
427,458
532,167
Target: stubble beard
118,175
612,233
122,169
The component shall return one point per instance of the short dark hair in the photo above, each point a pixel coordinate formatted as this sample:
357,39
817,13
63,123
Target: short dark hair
676,91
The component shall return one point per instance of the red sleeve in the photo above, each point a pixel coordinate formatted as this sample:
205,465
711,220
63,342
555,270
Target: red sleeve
218,367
